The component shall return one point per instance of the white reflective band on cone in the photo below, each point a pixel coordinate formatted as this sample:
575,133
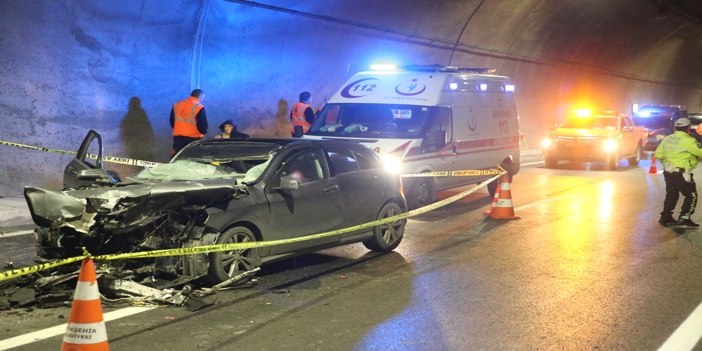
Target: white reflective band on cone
89,333
87,291
504,186
504,203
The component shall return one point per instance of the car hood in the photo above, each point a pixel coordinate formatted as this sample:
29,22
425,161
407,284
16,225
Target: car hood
574,132
77,208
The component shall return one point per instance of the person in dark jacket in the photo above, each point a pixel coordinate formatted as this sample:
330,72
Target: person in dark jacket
229,131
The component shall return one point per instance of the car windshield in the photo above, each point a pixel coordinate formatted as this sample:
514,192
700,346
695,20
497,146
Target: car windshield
372,120
664,122
590,123
244,161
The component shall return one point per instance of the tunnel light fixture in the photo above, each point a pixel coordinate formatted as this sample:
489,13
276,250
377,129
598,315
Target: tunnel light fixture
482,87
384,67
509,87
453,86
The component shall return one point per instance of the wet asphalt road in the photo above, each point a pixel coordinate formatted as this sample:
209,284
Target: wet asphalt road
587,268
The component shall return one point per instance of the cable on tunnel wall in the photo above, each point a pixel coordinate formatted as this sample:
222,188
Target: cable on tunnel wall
195,58
472,48
460,35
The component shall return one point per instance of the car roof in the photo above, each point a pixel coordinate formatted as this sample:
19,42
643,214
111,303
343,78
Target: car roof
290,142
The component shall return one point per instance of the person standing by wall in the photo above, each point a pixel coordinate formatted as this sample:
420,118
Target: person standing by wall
302,114
229,131
188,120
679,152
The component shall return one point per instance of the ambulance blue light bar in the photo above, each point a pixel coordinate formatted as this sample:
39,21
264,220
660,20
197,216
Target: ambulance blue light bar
383,67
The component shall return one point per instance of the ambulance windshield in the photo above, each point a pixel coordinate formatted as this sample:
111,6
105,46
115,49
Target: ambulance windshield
373,120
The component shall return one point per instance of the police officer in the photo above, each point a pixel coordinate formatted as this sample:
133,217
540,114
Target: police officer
302,113
188,120
679,152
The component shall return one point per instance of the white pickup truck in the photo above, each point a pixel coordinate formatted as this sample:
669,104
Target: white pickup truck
605,136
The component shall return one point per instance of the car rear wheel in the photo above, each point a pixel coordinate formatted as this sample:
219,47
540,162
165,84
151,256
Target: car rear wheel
422,194
225,265
387,236
634,161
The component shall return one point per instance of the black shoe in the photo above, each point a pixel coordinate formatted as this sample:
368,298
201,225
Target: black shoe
687,223
667,221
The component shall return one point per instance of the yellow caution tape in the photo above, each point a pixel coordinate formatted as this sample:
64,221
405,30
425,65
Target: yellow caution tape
111,159
248,245
462,173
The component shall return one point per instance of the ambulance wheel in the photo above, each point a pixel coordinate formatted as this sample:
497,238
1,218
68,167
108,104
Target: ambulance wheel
423,193
386,237
228,264
634,161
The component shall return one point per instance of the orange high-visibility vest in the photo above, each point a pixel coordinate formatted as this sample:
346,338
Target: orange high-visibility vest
298,117
185,113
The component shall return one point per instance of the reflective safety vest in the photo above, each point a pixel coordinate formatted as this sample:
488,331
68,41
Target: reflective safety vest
185,117
298,117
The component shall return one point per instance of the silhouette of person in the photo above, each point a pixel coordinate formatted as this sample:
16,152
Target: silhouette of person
136,132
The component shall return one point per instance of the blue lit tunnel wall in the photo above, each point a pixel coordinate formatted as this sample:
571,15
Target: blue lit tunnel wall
117,67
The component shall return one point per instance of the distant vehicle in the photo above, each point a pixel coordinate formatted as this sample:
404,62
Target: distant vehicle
222,191
605,136
658,121
425,119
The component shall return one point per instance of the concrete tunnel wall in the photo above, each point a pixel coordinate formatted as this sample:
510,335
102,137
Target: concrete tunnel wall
117,67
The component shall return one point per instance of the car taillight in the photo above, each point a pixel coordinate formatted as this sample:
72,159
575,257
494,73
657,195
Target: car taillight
653,133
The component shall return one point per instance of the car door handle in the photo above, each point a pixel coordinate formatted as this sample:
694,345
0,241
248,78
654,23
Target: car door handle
331,189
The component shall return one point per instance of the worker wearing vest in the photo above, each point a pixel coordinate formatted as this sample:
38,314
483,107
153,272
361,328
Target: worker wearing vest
188,121
302,113
679,152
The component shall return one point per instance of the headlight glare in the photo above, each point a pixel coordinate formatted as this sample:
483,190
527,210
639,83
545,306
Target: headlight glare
392,164
610,145
547,143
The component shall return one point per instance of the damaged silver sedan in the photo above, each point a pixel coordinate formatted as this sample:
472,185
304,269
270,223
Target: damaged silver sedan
217,192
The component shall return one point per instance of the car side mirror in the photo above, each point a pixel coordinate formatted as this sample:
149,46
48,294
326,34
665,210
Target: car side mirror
288,183
96,175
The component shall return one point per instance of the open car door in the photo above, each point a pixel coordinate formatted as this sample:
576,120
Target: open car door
83,172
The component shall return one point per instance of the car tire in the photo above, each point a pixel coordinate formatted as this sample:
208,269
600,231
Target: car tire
550,162
634,161
423,193
228,264
613,162
387,237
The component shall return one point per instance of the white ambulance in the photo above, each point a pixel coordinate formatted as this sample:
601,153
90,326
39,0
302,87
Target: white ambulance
425,119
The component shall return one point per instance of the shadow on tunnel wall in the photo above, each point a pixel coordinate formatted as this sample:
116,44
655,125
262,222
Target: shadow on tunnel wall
136,132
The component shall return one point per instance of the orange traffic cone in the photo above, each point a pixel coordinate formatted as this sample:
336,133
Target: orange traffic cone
653,169
86,326
494,201
503,208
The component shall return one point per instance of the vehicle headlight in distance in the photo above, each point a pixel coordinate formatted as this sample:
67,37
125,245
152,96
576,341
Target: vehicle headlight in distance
547,143
392,164
610,145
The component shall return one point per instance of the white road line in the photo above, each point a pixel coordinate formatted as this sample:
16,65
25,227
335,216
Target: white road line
542,202
687,335
532,163
21,232
60,329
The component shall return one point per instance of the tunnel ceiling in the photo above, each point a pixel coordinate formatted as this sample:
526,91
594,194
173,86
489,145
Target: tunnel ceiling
117,67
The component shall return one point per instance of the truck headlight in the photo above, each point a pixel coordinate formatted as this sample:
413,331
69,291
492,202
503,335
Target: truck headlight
610,145
392,164
547,143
